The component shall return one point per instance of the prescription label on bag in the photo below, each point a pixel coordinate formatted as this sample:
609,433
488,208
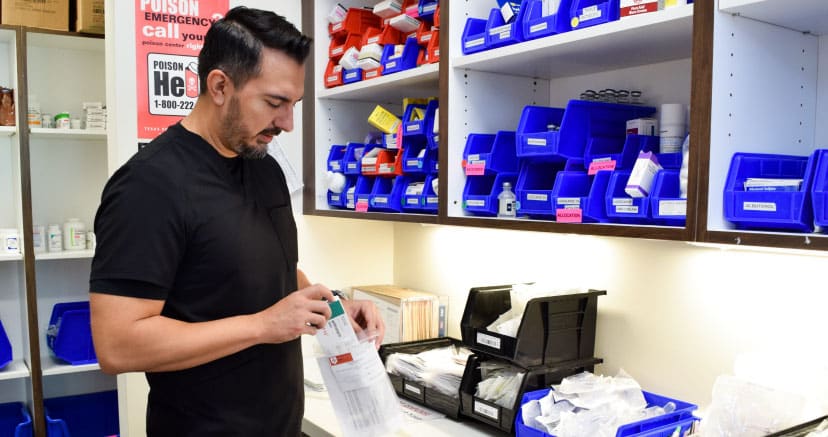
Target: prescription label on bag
486,410
488,340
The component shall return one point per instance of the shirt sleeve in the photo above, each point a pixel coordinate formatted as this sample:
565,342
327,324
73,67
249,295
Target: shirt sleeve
140,232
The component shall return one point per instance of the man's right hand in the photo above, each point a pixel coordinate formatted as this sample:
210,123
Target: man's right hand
301,312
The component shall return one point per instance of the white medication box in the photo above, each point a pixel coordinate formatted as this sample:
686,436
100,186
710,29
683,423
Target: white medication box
643,126
643,173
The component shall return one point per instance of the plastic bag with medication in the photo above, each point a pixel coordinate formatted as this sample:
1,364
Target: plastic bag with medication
361,393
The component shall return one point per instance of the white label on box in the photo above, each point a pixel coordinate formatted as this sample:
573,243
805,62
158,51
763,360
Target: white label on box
672,207
332,78
620,201
335,197
536,141
426,37
351,75
431,200
569,201
475,157
486,410
386,168
335,165
390,65
538,27
621,209
369,160
373,40
506,28
372,73
475,42
412,163
352,166
590,13
383,200
337,51
539,197
412,127
759,206
475,202
430,7
488,340
411,389
412,201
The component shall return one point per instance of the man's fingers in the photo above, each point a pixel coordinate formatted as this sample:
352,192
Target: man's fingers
317,292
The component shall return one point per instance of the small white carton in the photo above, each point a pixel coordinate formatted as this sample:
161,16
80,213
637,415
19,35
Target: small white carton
643,173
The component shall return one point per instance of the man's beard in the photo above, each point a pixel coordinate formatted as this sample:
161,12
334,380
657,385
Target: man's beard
235,132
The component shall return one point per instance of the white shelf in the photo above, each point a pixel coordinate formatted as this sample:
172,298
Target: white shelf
66,42
7,131
803,15
16,257
15,370
66,254
69,134
420,81
645,39
52,366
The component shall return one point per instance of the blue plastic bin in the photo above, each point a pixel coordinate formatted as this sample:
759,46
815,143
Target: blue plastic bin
394,63
500,33
579,124
15,420
70,333
536,25
430,198
576,189
352,75
420,127
819,191
777,210
474,35
385,195
586,13
426,9
416,157
340,200
623,151
621,208
534,188
336,154
353,156
5,348
480,192
362,189
668,208
93,414
411,202
663,425
496,153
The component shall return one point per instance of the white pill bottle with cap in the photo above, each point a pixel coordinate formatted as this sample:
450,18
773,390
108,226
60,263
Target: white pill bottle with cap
672,127
54,238
11,241
74,235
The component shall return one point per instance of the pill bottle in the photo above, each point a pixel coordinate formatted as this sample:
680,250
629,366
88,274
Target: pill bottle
55,238
39,238
672,127
74,235
10,239
62,120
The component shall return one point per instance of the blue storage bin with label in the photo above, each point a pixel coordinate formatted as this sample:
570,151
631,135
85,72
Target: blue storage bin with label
340,200
335,158
499,33
353,156
557,134
15,420
770,206
385,195
667,205
70,333
480,192
362,191
534,188
5,348
412,188
538,23
423,125
429,198
352,75
426,9
586,13
621,208
659,426
93,414
396,58
819,191
489,154
474,35
579,190
622,151
417,157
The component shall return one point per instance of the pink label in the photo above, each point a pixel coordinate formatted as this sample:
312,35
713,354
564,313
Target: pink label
569,215
361,207
596,166
476,169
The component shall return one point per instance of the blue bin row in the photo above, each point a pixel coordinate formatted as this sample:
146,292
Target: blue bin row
70,334
5,348
93,414
797,209
367,193
534,22
15,420
661,426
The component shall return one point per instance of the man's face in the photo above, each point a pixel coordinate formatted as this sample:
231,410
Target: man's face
263,107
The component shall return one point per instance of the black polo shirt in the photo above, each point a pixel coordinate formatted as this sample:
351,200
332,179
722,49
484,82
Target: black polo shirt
213,237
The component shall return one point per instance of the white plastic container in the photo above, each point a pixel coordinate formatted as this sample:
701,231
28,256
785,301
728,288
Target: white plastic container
506,202
672,127
74,235
10,239
54,238
39,238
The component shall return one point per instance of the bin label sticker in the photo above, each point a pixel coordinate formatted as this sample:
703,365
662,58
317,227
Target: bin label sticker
488,340
335,165
332,78
672,207
538,27
372,73
430,7
412,201
373,39
759,206
337,51
426,38
414,163
335,197
383,200
362,206
625,209
537,197
386,168
475,42
476,202
390,65
351,75
536,141
412,127
352,166
569,201
569,215
477,168
412,389
590,13
621,201
431,200
486,410
472,158
599,165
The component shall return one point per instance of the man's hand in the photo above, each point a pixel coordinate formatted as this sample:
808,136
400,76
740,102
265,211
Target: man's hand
365,319
301,312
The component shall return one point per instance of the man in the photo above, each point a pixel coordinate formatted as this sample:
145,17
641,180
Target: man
194,276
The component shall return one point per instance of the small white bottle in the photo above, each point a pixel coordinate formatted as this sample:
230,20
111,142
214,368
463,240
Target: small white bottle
55,238
507,202
11,241
39,238
74,235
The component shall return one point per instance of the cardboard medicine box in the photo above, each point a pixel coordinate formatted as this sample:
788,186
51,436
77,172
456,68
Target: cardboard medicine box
408,314
90,16
43,14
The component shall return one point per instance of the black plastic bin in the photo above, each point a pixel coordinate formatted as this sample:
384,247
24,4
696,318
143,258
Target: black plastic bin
553,330
535,378
416,391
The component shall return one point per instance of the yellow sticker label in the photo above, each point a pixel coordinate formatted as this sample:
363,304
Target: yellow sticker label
574,22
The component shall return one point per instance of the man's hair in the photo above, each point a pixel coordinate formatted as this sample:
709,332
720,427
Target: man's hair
234,44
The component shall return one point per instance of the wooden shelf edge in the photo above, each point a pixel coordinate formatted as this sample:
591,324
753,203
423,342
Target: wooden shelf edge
795,241
377,216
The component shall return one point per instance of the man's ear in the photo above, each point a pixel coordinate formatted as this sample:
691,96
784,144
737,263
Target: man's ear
218,86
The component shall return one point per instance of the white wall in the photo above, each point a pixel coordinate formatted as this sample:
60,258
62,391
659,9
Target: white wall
675,316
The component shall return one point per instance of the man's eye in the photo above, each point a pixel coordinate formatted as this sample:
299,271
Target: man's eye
274,105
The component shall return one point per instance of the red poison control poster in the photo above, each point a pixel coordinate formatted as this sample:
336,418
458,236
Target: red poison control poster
168,36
